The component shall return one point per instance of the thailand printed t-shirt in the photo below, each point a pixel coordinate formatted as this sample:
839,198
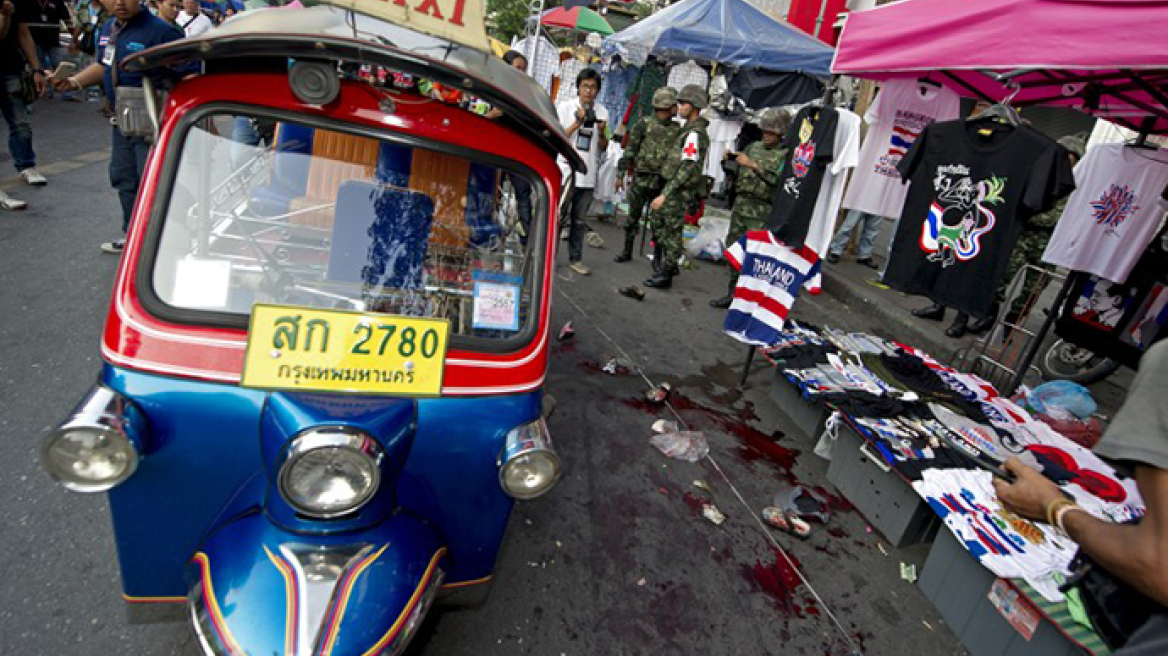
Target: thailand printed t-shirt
811,143
901,111
586,141
770,277
974,184
1113,213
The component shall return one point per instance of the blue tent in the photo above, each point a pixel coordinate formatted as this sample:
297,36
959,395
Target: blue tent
730,32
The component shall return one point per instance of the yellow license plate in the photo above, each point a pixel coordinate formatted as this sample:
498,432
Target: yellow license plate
296,348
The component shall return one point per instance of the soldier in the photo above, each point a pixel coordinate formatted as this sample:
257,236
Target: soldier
649,143
682,172
759,166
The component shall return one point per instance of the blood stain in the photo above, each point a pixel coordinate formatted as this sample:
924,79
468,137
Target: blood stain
781,583
836,532
694,503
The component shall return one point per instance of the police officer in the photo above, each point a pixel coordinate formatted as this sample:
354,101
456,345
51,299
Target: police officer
759,167
132,29
683,181
649,144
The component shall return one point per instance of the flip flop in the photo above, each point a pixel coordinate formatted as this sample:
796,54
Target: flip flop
787,522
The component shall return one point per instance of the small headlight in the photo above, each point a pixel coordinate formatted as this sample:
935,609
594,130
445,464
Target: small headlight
529,464
330,472
89,459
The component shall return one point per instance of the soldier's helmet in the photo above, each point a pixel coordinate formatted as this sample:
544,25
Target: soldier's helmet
774,120
694,95
664,98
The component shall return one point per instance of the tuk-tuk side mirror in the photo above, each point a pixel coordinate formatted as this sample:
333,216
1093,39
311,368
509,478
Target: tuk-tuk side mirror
152,109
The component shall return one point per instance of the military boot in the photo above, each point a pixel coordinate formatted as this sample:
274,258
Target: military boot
661,280
657,255
626,254
725,301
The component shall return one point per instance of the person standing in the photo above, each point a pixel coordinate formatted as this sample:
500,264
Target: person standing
44,24
191,20
131,30
168,10
16,48
586,124
683,181
759,167
649,144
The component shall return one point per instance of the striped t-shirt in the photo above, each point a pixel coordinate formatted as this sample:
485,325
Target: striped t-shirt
771,275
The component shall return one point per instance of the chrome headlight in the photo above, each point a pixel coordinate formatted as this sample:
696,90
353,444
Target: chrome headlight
328,472
529,464
92,451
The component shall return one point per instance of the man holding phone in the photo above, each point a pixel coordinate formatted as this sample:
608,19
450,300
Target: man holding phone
586,124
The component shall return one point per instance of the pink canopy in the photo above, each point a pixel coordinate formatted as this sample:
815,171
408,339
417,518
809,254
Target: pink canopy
1106,57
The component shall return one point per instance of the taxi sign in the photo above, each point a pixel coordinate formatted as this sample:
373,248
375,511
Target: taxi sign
296,348
460,21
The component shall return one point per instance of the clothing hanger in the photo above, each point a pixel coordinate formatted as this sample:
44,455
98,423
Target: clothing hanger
1002,112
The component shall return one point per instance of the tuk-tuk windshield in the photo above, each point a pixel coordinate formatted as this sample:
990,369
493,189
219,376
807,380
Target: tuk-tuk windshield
268,210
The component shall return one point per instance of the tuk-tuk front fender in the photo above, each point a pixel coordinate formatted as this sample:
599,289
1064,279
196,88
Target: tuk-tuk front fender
257,589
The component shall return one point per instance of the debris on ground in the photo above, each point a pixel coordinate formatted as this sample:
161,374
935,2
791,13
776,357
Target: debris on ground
567,332
927,625
908,572
594,240
615,366
803,501
632,291
690,446
641,582
711,512
786,521
880,546
703,486
658,394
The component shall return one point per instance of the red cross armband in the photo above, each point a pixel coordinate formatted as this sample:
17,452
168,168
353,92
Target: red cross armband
689,153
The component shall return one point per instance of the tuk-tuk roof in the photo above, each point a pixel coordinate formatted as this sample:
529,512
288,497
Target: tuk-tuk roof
329,32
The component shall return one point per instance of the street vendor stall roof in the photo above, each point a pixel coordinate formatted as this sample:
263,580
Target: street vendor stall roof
1106,57
731,32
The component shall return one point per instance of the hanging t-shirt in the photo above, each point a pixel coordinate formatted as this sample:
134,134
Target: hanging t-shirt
687,73
821,229
770,277
811,140
974,184
1113,213
902,110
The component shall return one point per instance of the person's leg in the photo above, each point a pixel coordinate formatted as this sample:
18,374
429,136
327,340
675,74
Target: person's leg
871,227
581,200
636,198
19,130
843,234
668,235
124,172
522,190
888,251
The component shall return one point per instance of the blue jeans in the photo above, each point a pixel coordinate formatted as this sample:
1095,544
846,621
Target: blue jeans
872,226
16,115
127,162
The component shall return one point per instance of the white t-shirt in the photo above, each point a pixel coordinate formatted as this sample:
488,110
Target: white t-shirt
587,137
193,26
1113,213
831,190
901,111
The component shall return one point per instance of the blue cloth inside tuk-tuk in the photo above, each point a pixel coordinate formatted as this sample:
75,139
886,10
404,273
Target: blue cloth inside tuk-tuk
291,170
380,236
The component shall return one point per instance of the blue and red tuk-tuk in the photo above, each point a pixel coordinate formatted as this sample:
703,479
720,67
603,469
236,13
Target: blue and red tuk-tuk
323,358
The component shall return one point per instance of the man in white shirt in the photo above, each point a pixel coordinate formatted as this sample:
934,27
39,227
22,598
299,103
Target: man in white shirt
586,124
192,20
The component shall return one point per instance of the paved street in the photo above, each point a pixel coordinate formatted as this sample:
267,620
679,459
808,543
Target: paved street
616,560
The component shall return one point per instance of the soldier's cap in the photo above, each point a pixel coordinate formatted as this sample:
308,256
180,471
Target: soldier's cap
694,95
774,120
664,98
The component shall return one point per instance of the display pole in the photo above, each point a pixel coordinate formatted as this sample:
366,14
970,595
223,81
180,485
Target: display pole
532,31
1036,342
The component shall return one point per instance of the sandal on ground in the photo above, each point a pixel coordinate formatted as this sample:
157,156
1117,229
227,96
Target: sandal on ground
787,522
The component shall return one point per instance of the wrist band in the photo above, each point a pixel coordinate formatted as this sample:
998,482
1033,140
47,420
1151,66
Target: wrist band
1054,507
1061,513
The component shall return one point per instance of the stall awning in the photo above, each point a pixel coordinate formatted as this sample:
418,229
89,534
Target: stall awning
1106,57
730,32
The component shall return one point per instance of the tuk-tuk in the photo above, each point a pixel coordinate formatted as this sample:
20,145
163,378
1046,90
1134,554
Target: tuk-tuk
324,354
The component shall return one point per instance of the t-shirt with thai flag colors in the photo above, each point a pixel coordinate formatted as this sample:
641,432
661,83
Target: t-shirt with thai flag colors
770,277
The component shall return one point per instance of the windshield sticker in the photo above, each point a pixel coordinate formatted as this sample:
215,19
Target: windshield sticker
201,284
496,301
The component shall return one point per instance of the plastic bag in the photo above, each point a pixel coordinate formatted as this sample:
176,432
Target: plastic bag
1061,400
690,446
804,502
710,238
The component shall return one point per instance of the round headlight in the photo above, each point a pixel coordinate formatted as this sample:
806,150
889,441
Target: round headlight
330,472
529,475
89,459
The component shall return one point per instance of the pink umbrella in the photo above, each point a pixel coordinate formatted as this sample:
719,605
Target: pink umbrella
1106,57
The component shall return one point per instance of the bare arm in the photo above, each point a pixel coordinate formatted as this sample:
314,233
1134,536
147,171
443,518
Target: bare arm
6,11
1136,554
28,46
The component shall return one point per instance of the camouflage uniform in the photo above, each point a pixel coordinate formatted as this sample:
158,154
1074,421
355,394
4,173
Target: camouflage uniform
683,178
1031,244
649,144
752,205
